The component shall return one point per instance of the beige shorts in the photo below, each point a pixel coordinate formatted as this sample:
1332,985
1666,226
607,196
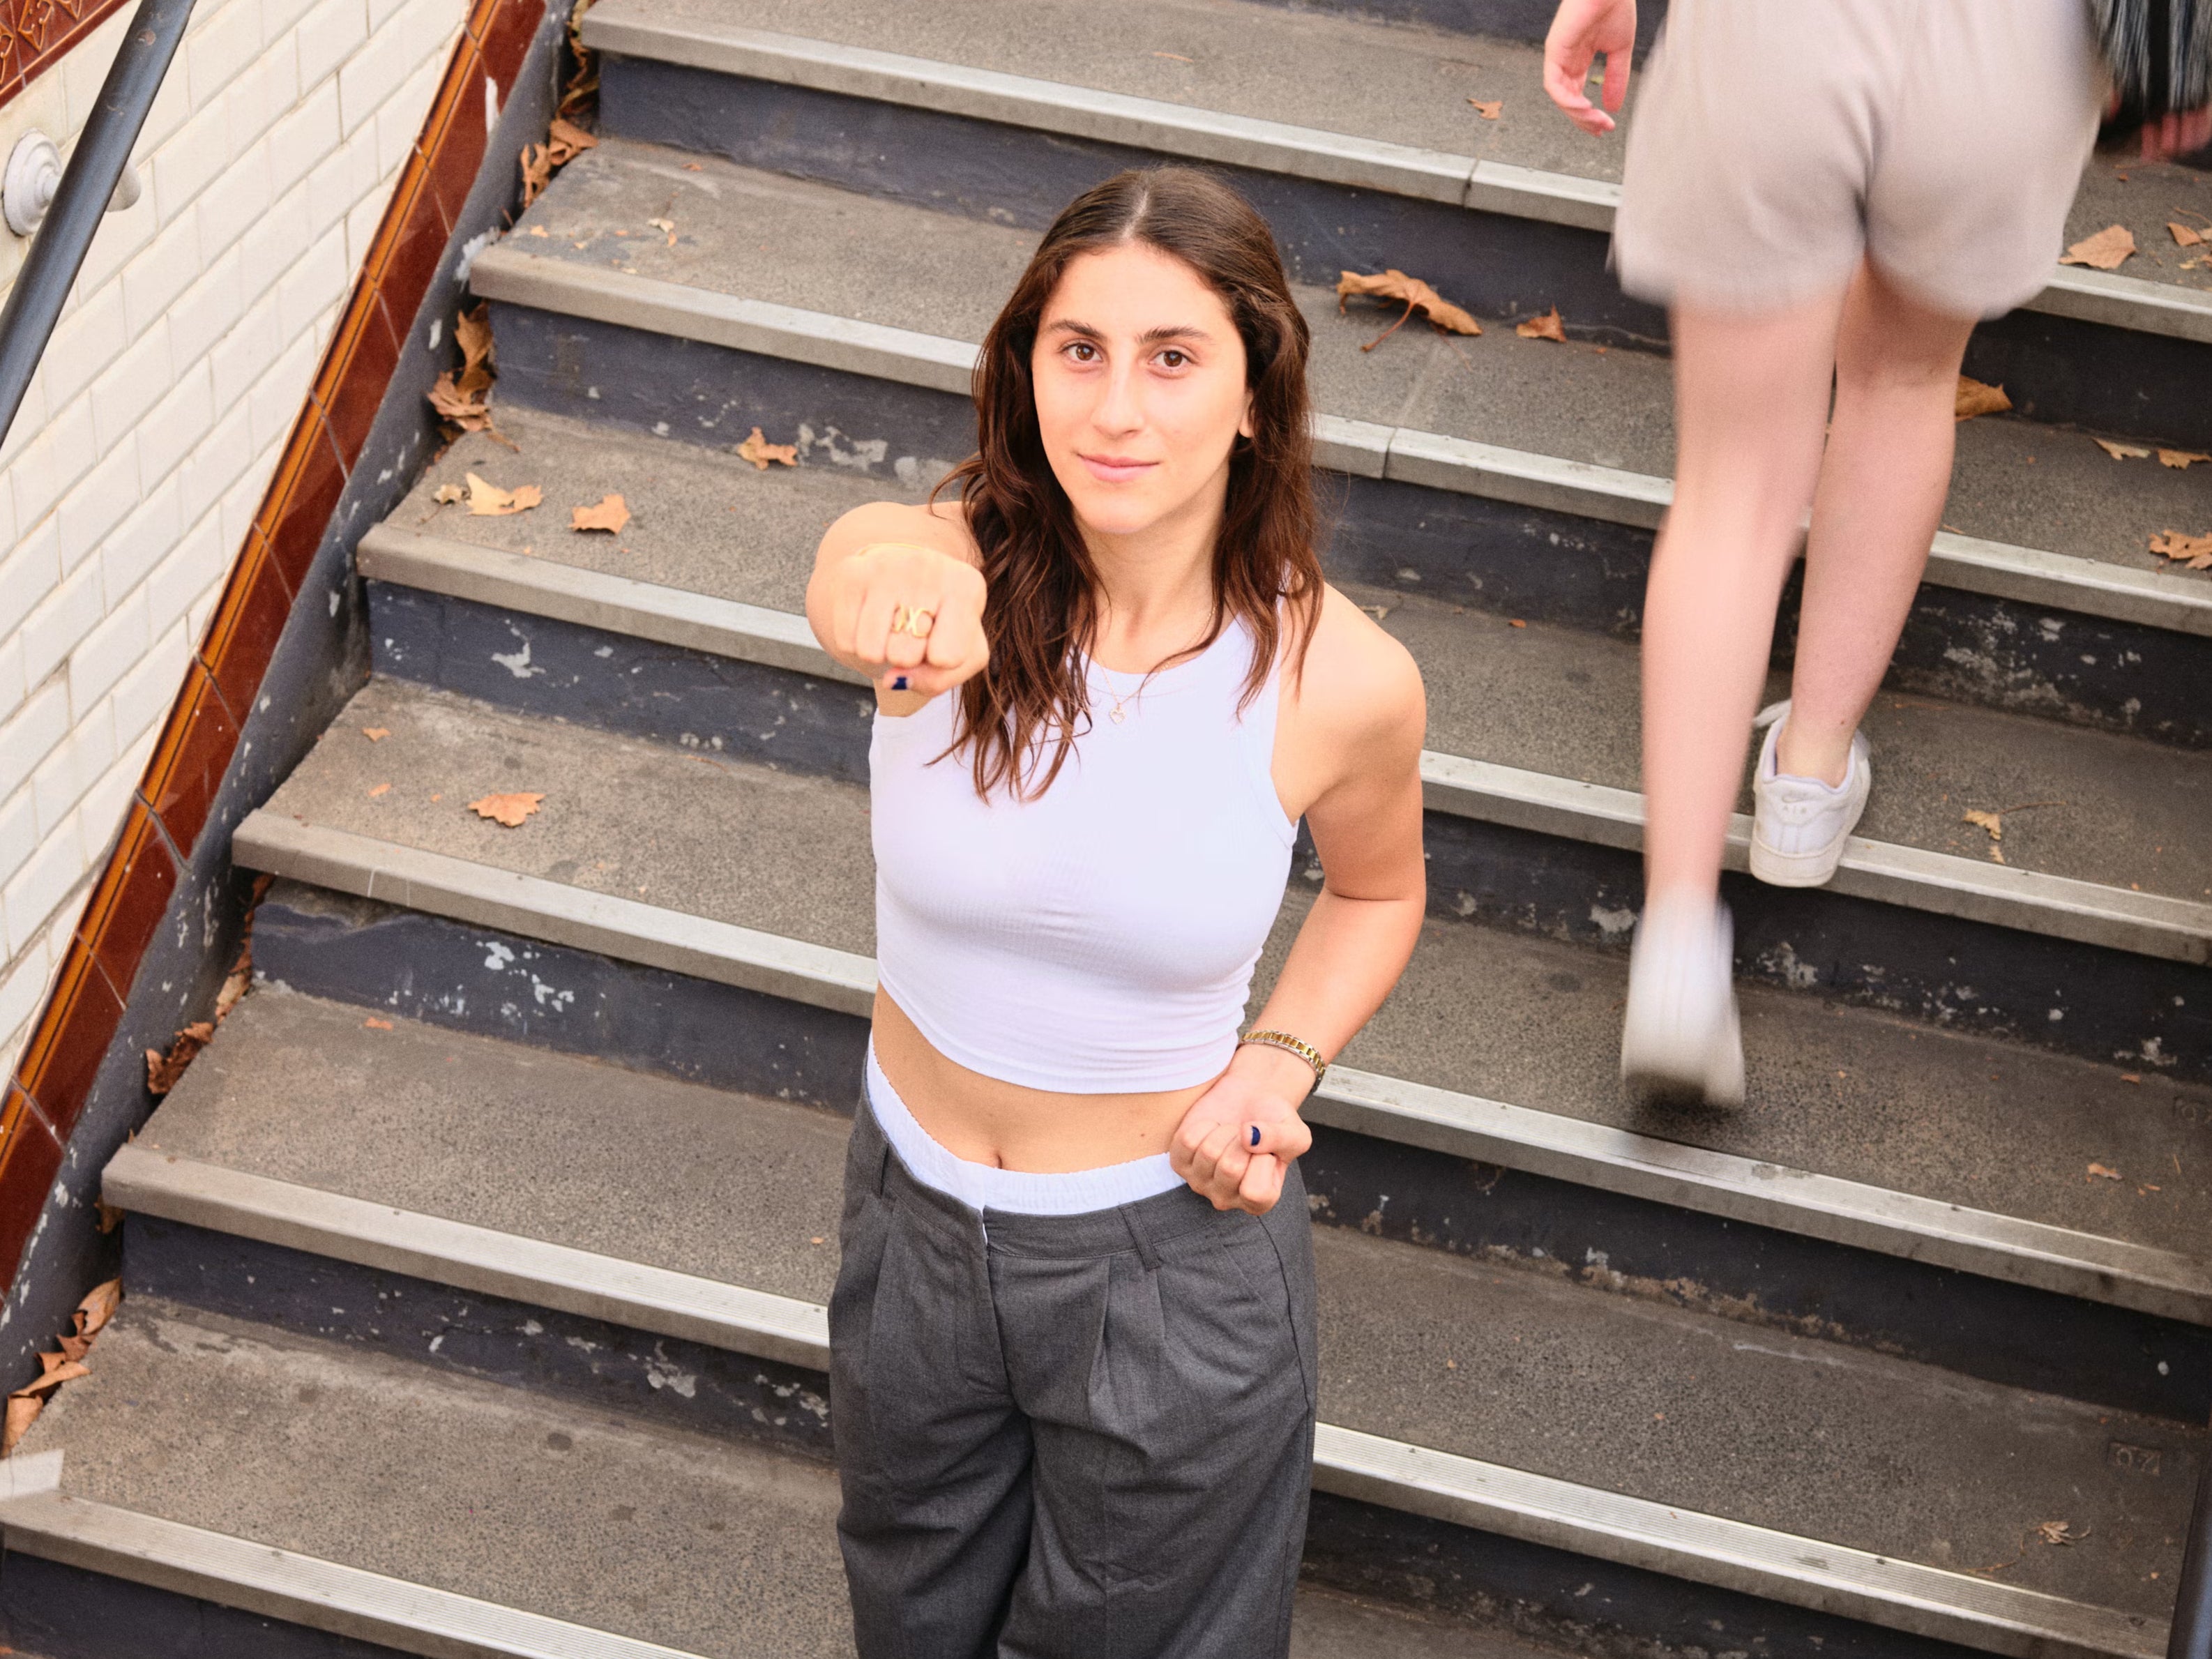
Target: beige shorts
1777,141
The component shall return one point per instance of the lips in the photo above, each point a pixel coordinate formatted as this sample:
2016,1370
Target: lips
1116,469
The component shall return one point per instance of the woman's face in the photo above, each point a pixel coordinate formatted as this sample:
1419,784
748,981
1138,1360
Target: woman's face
1140,395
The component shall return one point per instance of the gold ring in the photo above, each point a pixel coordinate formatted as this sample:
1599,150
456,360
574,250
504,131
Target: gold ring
916,621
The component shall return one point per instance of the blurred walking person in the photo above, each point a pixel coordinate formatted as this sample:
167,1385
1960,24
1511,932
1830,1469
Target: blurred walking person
1827,195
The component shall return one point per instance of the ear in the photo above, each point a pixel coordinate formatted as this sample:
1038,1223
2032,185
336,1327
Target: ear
1244,428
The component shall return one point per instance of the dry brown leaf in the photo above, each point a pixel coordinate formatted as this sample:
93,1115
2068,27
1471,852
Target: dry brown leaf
539,230
376,733
2060,1532
162,1070
2194,551
2122,452
22,1411
468,411
566,141
509,810
58,1371
2106,251
73,1347
1488,111
373,1024
536,171
472,333
2184,236
668,225
1417,295
2181,460
382,789
1546,327
1992,822
2101,1173
1975,397
98,1308
611,514
446,493
760,452
109,1217
487,500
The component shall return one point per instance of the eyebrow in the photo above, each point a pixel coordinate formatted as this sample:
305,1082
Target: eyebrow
1150,337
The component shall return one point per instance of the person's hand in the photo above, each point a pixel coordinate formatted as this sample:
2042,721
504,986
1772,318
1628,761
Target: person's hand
1580,31
1239,1137
910,618
2178,134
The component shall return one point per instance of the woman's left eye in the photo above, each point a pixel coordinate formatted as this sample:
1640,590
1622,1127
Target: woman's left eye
1174,359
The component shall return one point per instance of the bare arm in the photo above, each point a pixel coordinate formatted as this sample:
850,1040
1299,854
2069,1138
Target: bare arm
1581,29
878,566
1360,716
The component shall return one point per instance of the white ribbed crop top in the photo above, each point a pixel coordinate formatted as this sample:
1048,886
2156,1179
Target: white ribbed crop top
1098,938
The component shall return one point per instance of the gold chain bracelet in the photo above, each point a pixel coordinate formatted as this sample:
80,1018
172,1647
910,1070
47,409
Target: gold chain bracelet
1290,1044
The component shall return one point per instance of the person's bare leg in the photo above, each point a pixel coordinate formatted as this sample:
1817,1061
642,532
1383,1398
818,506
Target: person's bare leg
1751,399
1880,502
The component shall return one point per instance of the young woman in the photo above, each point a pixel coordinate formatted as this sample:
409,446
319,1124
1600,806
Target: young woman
1072,1345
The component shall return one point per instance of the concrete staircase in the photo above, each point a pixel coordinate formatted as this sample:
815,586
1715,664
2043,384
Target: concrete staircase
475,1272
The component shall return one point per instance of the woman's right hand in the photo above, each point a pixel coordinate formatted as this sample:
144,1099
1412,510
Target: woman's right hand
1581,29
874,596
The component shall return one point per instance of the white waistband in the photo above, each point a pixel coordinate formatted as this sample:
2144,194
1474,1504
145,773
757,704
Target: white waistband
985,1187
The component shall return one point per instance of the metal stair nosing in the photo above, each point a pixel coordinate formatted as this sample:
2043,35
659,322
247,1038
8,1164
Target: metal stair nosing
2145,1279
1942,883
1610,1526
627,28
1365,449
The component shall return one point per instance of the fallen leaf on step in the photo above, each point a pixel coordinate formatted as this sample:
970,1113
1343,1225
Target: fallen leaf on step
1488,111
98,1308
2184,236
382,789
668,225
162,1070
1974,397
539,230
2122,452
2106,251
58,1371
373,1024
446,493
1413,292
611,514
376,733
536,172
1175,56
567,141
2059,1531
760,452
509,810
1547,327
2098,1171
2194,551
472,333
2181,460
22,1411
692,167
1992,822
487,500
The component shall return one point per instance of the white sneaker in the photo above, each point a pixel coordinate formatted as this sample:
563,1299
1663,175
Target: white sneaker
1798,831
1681,1036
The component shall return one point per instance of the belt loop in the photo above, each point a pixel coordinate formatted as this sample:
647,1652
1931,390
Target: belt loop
883,1172
1141,1237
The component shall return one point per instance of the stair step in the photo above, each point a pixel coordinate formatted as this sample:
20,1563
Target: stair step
760,880
1542,1427
806,272
1383,108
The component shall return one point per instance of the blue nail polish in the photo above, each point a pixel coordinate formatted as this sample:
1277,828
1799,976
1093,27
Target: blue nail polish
1255,1134
899,684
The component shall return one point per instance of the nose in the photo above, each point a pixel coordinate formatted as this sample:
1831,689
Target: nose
1121,406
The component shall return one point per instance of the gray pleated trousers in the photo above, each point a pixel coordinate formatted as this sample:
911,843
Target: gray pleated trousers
1069,1436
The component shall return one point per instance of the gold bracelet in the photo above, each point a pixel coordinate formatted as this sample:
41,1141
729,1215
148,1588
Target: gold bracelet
1290,1044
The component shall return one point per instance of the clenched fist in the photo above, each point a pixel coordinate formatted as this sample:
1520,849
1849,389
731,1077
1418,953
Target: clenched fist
910,618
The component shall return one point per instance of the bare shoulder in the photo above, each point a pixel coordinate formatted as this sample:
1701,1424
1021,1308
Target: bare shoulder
940,526
1360,685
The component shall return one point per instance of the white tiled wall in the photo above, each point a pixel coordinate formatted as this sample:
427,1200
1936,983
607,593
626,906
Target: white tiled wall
128,479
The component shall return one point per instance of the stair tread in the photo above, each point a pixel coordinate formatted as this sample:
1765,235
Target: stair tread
2106,808
1399,82
1846,1091
763,237
1619,1392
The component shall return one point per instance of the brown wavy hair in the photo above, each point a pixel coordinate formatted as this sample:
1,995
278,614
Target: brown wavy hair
1041,608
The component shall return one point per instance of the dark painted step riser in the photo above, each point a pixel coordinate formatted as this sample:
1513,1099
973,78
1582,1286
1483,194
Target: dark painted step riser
1497,266
1962,975
413,966
1493,556
57,1612
1440,1568
1506,20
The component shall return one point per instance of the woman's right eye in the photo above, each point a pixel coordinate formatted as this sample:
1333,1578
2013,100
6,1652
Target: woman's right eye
1082,351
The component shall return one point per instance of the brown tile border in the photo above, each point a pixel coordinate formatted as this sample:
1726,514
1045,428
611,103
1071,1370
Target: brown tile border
170,811
37,34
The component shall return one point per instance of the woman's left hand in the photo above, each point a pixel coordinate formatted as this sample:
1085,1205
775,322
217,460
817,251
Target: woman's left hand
1239,1137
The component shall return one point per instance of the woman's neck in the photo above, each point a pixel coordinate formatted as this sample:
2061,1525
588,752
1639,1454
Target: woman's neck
1155,589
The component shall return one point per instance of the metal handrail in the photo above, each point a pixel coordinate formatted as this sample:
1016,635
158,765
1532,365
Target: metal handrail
64,237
